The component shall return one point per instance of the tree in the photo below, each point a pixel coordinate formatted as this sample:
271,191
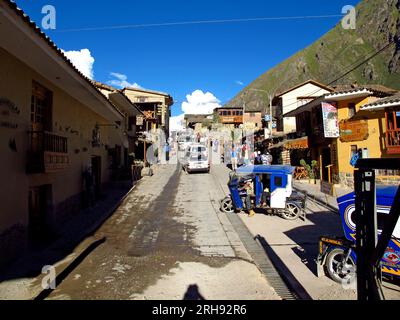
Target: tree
310,169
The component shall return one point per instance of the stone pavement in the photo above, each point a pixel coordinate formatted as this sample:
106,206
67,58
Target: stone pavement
167,240
17,280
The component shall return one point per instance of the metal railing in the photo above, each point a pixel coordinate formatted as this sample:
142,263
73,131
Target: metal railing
42,141
47,152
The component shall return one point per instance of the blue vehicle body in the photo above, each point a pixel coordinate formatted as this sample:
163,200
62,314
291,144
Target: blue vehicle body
272,190
384,199
253,173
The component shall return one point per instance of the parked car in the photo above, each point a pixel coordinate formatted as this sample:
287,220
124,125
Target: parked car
197,163
196,159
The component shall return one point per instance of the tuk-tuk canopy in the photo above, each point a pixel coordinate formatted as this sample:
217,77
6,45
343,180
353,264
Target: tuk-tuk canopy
265,169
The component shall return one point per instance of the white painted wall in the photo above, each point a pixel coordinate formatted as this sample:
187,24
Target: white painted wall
290,102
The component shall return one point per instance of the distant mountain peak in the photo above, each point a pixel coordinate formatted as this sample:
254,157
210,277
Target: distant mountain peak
338,51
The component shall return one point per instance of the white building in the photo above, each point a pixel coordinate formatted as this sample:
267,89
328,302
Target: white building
294,98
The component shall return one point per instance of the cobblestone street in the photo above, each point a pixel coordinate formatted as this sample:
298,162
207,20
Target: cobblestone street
168,241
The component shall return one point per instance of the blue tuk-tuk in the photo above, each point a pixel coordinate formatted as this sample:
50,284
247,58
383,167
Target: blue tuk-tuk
337,254
272,190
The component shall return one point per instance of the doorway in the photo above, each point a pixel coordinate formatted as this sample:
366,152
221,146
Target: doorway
39,203
96,171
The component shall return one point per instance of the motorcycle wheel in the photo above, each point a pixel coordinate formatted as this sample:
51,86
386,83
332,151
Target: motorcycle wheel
339,270
291,212
227,205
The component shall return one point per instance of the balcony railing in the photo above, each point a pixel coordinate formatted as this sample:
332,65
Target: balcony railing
47,152
393,141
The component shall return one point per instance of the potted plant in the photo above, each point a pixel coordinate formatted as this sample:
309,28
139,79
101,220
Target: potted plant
310,168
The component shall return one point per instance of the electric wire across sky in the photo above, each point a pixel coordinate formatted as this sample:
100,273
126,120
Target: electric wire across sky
182,23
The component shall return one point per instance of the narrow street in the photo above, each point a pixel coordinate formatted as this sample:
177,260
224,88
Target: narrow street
168,241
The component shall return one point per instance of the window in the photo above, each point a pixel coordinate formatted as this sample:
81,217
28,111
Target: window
352,109
252,114
41,107
393,131
278,182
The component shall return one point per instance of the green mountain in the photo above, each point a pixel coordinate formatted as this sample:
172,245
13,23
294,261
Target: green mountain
378,23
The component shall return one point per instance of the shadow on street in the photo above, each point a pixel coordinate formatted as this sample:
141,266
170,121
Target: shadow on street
80,226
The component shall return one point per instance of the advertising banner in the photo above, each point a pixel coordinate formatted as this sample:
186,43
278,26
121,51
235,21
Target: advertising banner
330,119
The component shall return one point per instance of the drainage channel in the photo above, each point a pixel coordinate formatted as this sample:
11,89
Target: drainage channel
260,257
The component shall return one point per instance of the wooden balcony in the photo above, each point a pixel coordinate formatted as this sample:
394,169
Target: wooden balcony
231,119
393,141
48,152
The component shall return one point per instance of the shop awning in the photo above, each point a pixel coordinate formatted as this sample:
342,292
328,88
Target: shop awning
278,145
299,143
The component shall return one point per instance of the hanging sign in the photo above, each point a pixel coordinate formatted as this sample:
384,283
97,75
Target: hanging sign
353,130
139,120
330,119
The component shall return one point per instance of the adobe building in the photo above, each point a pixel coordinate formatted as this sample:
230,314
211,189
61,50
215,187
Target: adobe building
54,124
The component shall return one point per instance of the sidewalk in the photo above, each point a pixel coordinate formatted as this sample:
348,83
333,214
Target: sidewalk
19,279
314,192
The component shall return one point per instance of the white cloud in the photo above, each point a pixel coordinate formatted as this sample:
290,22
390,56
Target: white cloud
176,123
121,81
82,60
199,102
240,83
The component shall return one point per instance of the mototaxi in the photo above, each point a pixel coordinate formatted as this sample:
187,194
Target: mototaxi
273,191
337,256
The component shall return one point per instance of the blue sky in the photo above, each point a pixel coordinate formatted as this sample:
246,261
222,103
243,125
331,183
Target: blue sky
181,59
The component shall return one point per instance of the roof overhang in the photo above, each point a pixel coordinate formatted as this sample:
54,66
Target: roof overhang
340,96
122,101
380,106
307,107
23,41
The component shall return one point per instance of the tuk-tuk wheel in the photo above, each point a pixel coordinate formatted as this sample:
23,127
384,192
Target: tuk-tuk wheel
227,205
339,270
291,212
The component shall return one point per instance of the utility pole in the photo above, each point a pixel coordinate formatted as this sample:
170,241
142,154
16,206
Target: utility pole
270,115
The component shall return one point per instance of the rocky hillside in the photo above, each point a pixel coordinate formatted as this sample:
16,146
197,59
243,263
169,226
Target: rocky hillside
378,23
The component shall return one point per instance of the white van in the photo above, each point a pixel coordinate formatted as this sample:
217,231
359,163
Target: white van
196,159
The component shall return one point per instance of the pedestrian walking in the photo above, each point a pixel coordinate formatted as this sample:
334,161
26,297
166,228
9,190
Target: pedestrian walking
234,159
257,158
266,158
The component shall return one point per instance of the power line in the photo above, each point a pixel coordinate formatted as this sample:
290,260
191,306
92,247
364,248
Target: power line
373,55
182,23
